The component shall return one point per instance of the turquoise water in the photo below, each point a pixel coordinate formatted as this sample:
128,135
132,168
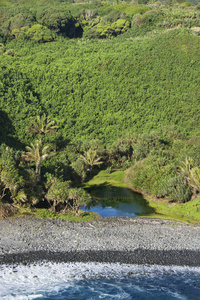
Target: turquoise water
99,281
112,201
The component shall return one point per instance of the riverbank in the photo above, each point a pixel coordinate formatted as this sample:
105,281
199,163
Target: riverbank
162,208
125,240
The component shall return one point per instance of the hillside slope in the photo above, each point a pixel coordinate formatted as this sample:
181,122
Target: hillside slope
103,88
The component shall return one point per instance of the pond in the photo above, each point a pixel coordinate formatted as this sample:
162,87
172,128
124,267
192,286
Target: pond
112,201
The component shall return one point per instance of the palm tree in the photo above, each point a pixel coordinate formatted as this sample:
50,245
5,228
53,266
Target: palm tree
90,158
41,126
37,153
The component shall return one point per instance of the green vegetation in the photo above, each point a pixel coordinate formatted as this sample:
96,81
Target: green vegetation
37,33
158,166
101,89
184,212
115,179
43,213
99,86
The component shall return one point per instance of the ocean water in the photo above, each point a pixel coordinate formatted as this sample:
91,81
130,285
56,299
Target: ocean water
98,281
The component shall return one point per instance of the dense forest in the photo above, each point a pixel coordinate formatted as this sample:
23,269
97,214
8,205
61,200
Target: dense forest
90,85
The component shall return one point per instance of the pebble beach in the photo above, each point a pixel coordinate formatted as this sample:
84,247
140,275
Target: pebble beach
114,239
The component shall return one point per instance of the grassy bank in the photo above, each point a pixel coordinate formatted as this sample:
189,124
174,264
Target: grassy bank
43,213
114,179
185,212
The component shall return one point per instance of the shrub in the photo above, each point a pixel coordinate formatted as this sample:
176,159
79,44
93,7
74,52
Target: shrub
79,197
186,4
149,18
58,20
131,10
62,193
1,48
150,173
58,193
20,20
80,169
110,30
10,52
37,33
113,16
176,189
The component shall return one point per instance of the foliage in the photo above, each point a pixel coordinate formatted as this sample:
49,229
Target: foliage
185,4
37,33
17,183
131,10
11,181
80,169
195,177
128,97
177,189
58,20
62,192
112,29
80,19
41,14
1,48
122,87
37,153
91,159
58,193
41,126
192,172
83,216
79,197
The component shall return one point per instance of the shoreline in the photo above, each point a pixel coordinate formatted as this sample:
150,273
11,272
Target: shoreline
187,258
123,240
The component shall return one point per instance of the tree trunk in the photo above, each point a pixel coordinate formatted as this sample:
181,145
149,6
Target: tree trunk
38,170
54,205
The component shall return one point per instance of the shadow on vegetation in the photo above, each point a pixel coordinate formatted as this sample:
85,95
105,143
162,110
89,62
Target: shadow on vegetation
60,141
7,132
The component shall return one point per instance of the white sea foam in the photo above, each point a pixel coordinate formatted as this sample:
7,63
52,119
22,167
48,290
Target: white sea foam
31,282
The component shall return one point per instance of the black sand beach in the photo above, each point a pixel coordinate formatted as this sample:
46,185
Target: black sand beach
124,240
138,256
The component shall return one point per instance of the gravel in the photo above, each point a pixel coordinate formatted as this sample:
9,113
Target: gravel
108,239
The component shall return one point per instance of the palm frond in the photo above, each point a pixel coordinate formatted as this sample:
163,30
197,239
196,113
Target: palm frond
41,126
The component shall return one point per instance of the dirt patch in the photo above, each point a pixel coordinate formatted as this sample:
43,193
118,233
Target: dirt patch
197,29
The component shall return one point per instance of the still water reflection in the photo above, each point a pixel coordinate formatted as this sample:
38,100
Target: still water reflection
112,201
